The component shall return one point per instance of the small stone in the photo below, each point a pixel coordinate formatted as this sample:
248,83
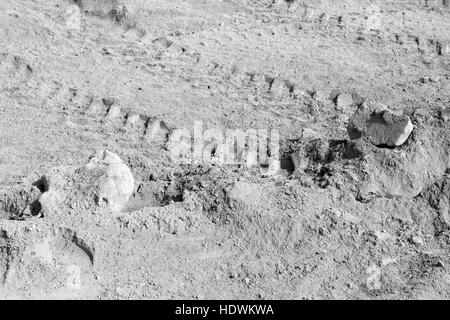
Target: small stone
108,101
417,240
381,127
114,112
344,101
435,79
309,134
278,88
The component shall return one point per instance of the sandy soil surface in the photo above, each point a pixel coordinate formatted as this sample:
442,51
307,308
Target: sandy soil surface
341,219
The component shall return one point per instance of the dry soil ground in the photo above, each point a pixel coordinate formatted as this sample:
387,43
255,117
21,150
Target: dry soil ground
348,221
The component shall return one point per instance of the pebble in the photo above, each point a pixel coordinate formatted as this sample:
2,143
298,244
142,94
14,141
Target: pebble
417,240
344,101
108,101
435,79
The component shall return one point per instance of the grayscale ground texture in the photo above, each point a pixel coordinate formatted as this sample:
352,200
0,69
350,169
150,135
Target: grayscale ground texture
94,205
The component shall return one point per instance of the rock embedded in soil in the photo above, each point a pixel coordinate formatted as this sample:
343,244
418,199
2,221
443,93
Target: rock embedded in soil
114,182
381,126
389,129
344,101
105,181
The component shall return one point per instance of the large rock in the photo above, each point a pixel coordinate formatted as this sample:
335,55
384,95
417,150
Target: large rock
105,181
381,126
112,180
